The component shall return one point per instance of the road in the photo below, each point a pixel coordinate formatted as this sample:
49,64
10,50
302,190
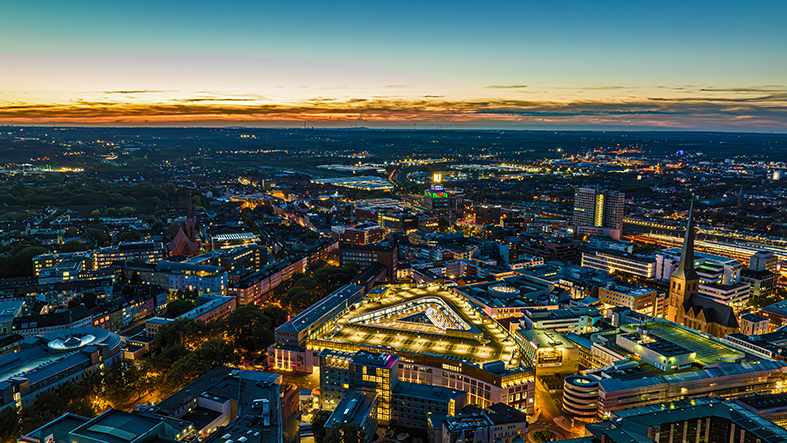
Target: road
304,381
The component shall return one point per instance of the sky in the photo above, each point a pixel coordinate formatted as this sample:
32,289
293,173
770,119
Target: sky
697,65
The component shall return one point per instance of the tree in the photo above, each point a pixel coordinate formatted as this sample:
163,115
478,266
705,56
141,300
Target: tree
209,355
183,331
249,328
74,246
100,237
123,383
318,425
89,298
129,236
178,307
297,299
345,433
277,315
544,435
10,424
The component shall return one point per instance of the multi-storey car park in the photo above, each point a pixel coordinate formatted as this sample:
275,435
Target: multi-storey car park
441,338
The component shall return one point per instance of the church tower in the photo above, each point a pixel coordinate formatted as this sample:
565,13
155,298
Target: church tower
684,282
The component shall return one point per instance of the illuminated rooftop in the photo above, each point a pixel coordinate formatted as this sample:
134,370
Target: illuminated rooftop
425,319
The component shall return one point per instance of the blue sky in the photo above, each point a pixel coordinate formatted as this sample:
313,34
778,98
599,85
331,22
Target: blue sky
57,59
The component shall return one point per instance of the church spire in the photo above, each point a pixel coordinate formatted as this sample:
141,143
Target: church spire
685,268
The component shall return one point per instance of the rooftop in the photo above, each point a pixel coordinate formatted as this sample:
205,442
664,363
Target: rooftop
354,407
306,318
708,350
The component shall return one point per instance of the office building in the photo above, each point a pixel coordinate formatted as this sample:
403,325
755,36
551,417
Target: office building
9,310
761,284
223,241
182,276
112,426
549,351
398,402
358,407
61,320
45,261
772,408
208,307
224,400
385,253
441,200
699,420
612,261
363,233
579,320
725,380
711,269
752,324
249,256
497,423
599,209
123,252
763,261
637,298
43,363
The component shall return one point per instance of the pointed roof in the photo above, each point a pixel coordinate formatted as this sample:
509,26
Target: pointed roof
182,245
713,311
685,270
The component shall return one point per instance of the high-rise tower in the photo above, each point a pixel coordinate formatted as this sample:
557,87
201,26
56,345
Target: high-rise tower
599,212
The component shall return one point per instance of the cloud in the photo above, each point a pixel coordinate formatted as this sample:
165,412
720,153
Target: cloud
137,91
506,86
216,99
758,112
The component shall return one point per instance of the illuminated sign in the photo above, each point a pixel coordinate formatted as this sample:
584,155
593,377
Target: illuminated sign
436,191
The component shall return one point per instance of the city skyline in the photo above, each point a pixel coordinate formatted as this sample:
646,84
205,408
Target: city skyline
701,66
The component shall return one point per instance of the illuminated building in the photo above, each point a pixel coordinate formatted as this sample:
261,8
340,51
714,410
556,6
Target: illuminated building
398,402
360,234
223,241
580,397
385,253
637,298
685,304
440,200
549,351
445,343
358,406
695,420
602,210
45,362
731,380
612,261
579,320
183,276
145,251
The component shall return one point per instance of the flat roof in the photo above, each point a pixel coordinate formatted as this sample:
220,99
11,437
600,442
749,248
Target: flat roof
543,338
59,427
115,426
354,407
708,350
306,318
201,417
415,340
